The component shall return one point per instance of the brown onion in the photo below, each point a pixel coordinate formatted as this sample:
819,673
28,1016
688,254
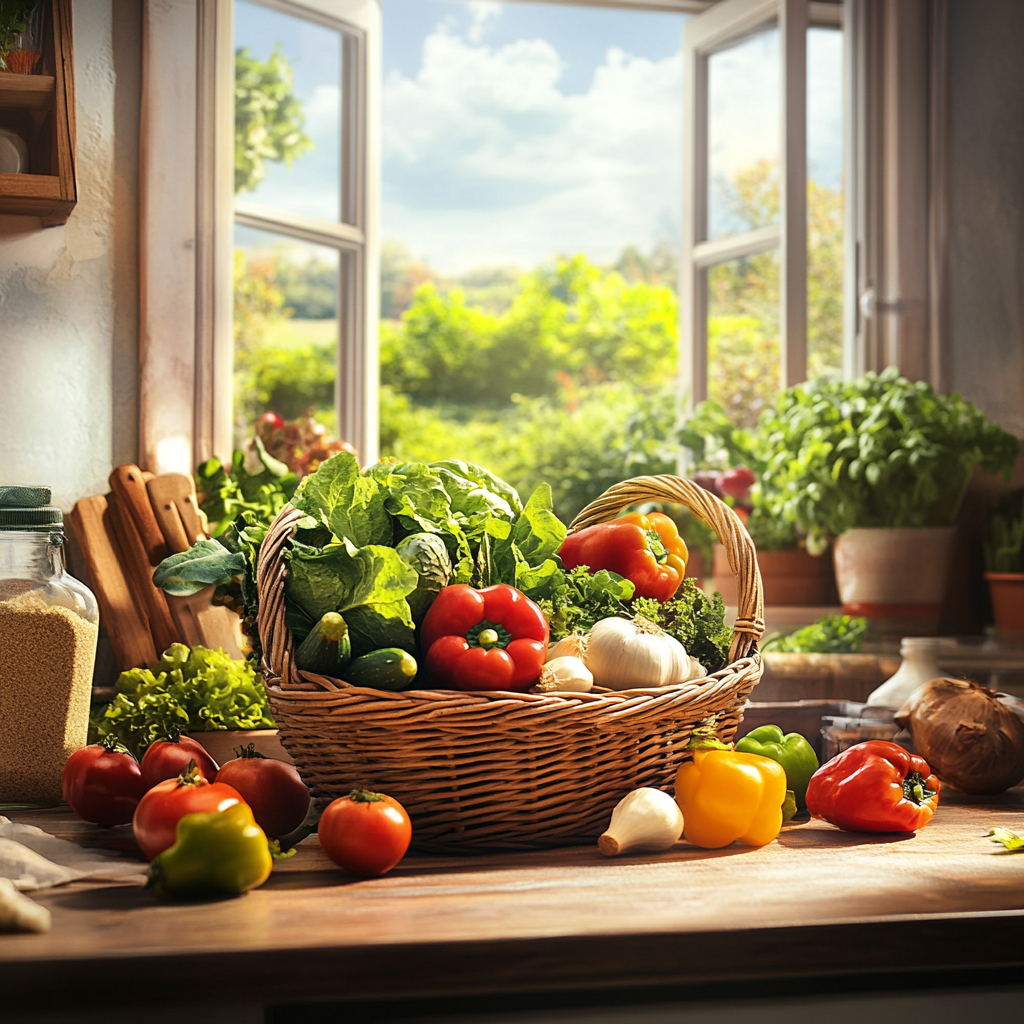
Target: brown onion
972,737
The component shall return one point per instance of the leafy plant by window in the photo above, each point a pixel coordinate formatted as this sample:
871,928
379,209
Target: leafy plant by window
1004,537
268,117
878,451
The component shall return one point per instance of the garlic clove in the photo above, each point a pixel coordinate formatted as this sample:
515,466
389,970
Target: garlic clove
645,820
565,674
574,645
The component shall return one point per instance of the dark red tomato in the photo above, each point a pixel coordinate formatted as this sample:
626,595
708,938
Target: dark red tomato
156,818
102,783
737,482
365,833
278,797
167,759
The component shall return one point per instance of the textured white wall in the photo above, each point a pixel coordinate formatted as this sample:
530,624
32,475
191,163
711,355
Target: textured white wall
69,294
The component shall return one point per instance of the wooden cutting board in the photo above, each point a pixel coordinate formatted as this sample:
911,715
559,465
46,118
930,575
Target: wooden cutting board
174,505
139,573
124,619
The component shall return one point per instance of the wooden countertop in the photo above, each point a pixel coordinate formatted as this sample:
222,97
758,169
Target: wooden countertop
816,902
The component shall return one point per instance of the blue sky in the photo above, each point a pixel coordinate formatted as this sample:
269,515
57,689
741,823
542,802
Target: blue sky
513,131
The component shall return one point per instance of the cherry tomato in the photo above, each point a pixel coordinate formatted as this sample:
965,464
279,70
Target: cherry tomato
365,833
278,797
167,759
159,811
102,783
270,420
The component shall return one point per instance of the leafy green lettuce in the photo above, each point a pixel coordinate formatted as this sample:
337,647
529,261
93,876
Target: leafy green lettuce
186,691
350,504
367,585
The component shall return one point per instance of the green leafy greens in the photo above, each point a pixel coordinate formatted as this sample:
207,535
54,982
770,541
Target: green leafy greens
193,690
833,634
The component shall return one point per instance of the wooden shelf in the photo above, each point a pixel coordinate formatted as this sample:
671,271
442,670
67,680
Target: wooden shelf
41,109
25,92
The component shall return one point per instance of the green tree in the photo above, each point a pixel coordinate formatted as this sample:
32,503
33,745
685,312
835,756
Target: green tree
268,117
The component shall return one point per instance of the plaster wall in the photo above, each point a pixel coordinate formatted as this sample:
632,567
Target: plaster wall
986,212
69,294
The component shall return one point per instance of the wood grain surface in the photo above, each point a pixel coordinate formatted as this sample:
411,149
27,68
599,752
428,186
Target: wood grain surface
817,901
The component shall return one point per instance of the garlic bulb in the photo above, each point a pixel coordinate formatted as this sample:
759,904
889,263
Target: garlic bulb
697,670
566,675
627,653
645,819
574,645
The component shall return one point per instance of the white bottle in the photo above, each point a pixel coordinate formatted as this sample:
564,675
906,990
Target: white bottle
919,666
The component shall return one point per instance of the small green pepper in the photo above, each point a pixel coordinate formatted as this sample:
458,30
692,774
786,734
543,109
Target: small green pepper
220,853
792,751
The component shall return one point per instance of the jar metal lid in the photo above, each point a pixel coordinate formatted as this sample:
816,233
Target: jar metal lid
21,496
28,508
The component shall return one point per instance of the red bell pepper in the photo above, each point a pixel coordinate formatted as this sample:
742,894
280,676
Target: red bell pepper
490,639
645,549
874,787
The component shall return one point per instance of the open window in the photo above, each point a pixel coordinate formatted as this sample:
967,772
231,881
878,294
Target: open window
749,87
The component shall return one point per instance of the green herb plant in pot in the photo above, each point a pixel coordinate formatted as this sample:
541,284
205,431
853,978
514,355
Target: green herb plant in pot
881,464
1004,563
790,573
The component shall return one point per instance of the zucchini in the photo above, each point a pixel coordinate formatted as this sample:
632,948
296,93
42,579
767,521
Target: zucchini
327,649
390,668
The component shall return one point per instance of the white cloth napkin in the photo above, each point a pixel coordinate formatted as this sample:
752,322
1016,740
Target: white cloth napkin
33,859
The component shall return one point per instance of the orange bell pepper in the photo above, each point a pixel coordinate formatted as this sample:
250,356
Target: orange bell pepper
645,549
726,795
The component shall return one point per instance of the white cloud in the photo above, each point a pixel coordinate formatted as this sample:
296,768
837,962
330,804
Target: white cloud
487,160
482,11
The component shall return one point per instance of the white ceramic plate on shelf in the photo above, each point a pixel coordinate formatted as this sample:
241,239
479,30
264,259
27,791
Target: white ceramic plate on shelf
13,153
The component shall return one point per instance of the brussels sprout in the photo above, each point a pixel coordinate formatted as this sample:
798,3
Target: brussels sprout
427,554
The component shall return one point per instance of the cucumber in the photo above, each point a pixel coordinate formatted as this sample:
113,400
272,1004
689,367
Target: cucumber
327,649
390,668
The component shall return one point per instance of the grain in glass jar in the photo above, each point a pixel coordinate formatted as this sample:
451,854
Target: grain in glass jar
49,625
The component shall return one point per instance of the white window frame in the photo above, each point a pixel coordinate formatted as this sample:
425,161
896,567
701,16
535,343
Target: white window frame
722,26
187,212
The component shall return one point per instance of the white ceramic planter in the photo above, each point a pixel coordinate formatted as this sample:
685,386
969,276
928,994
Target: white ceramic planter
895,577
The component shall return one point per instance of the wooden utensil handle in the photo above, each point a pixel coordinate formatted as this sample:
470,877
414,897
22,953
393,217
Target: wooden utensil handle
138,572
128,485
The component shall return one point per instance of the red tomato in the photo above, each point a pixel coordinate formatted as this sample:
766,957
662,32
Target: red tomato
159,811
167,759
737,482
278,797
365,833
270,420
102,783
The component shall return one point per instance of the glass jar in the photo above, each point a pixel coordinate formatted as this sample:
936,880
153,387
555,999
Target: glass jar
49,625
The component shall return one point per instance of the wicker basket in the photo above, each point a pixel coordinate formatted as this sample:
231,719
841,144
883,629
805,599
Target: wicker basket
497,770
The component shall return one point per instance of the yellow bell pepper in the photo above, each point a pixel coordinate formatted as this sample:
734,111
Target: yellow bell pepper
727,795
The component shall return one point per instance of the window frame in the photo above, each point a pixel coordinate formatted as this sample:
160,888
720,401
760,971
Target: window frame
188,210
721,26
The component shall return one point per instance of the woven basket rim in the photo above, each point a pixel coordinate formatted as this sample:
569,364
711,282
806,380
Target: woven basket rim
283,678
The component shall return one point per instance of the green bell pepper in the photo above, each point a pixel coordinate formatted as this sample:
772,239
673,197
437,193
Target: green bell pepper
220,853
792,751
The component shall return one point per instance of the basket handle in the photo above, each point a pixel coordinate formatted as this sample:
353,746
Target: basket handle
749,626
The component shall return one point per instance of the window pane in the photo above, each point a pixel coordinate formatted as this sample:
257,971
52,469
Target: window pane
287,112
532,184
286,329
743,335
824,203
743,136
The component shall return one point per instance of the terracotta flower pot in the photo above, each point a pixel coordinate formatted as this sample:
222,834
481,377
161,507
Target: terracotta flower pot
790,577
1007,592
895,577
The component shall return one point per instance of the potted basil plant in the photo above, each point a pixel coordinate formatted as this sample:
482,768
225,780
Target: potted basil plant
1004,562
881,464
